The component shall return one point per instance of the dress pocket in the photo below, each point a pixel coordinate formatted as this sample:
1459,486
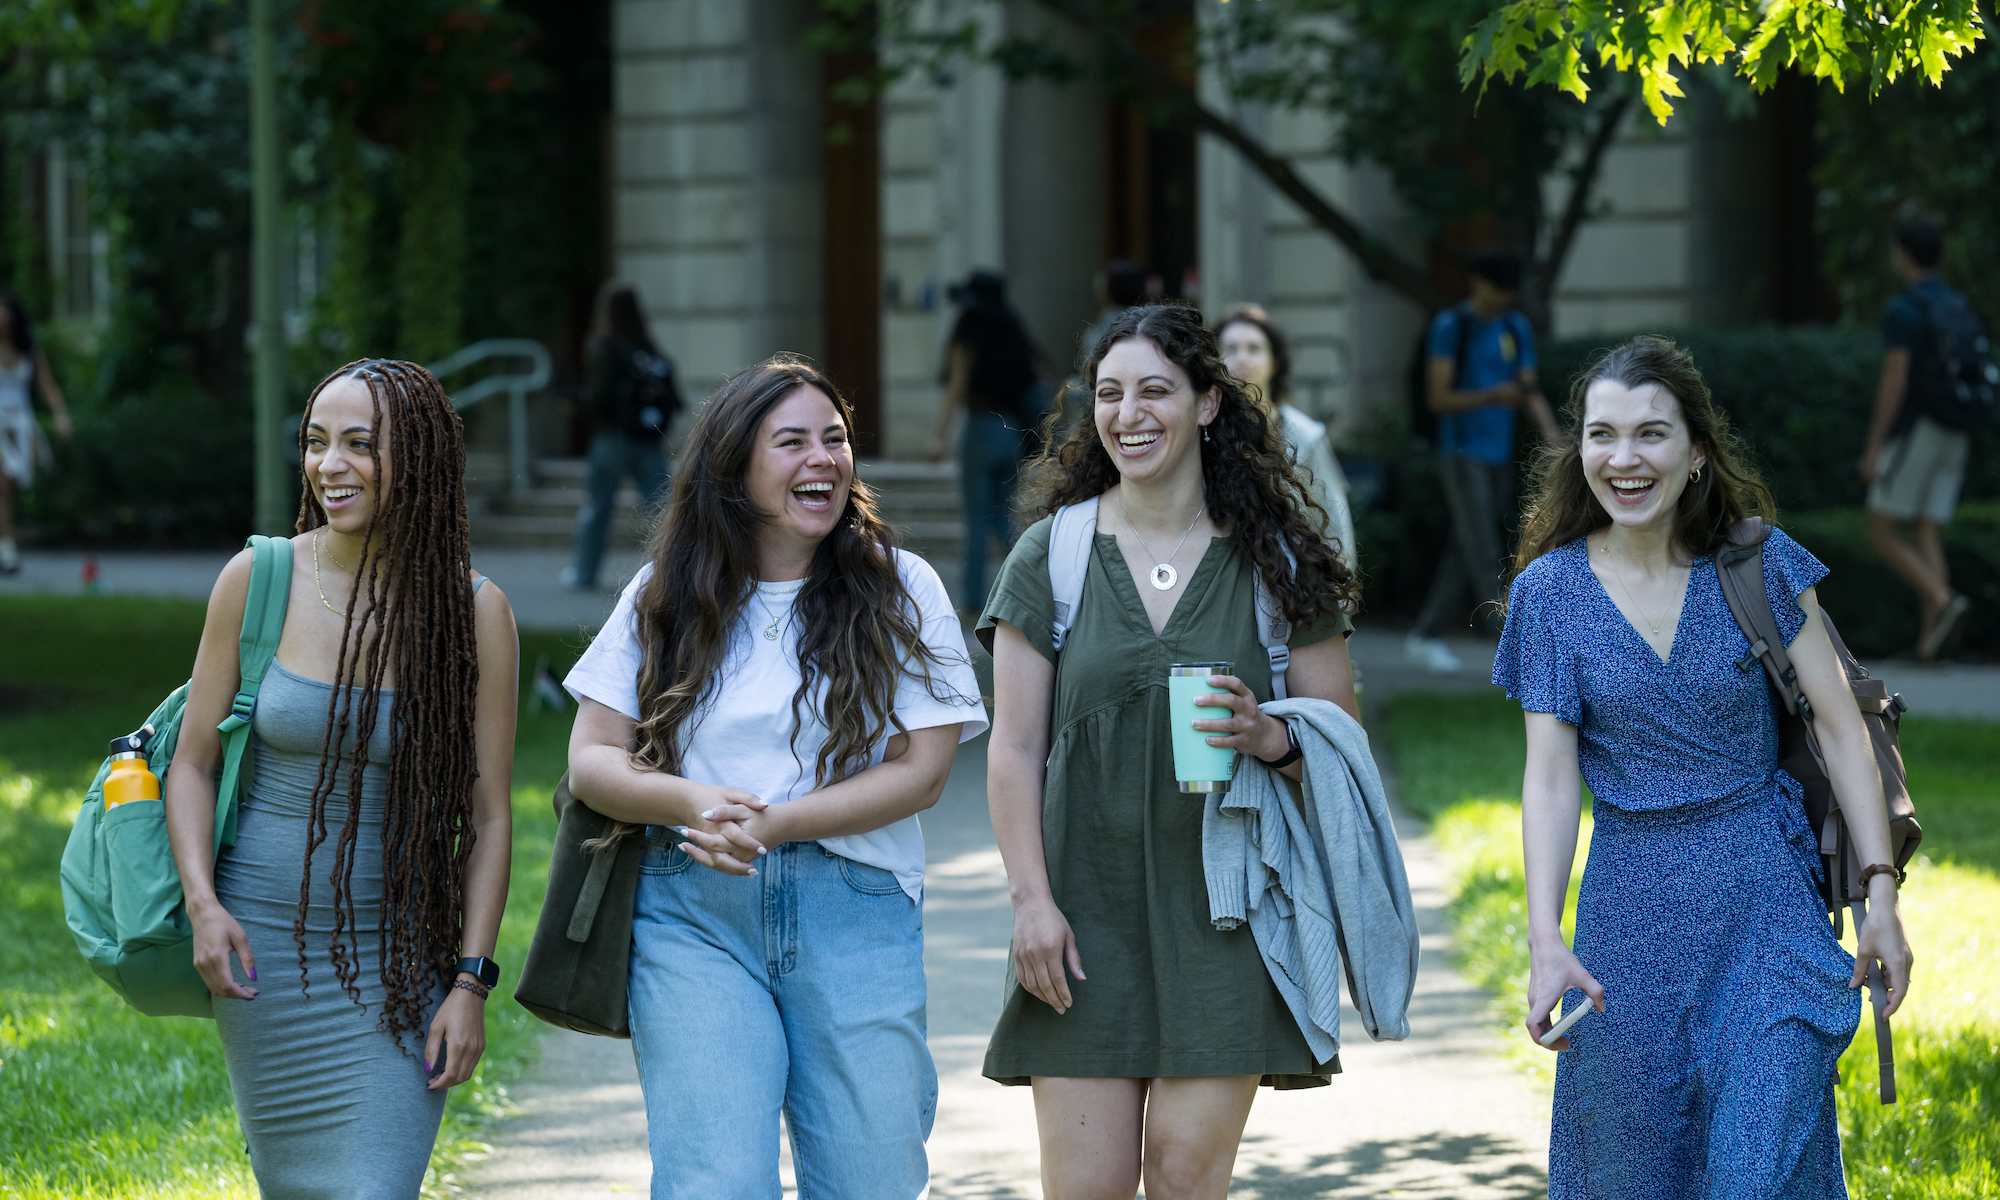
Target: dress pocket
869,881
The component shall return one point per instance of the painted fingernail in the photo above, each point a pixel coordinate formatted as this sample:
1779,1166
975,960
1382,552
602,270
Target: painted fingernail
686,846
709,815
427,1064
253,973
761,850
751,871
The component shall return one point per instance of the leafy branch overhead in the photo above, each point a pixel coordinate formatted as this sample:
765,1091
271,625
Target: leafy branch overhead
1550,41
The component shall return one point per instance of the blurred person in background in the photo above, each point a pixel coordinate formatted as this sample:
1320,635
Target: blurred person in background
1256,352
1118,287
22,365
1914,461
632,399
1480,370
991,374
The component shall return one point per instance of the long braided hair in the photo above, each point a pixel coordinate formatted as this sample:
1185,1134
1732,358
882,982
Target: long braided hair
1255,491
411,612
858,631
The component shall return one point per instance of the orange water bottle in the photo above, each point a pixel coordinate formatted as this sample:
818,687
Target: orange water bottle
130,777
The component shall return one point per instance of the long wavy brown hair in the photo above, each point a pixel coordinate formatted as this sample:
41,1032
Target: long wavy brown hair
411,612
858,626
1563,508
1255,492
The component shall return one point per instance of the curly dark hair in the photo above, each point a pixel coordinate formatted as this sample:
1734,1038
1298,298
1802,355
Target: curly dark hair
411,609
858,624
1255,491
1564,508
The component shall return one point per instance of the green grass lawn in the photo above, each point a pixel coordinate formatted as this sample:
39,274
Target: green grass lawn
96,1101
1460,760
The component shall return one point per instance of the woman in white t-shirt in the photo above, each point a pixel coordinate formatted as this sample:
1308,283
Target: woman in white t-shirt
782,691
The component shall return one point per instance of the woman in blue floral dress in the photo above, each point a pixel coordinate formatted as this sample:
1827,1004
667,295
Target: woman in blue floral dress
1722,998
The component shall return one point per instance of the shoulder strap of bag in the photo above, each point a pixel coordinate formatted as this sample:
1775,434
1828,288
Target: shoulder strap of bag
256,647
1740,569
1069,559
1273,630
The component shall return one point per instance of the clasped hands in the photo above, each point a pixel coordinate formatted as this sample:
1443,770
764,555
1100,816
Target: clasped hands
733,831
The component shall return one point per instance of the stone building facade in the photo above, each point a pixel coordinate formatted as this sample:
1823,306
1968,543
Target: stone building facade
756,212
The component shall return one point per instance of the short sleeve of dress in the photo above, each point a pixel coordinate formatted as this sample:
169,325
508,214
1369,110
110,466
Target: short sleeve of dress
1789,569
1023,596
1533,663
1334,624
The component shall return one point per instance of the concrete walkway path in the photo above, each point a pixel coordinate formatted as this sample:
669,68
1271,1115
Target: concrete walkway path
1438,1115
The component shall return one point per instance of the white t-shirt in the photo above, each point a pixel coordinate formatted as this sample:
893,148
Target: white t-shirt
744,736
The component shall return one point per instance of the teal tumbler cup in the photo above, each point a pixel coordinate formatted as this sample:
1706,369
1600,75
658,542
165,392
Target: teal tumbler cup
1198,766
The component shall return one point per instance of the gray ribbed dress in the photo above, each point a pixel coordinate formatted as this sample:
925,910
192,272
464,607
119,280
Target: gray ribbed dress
330,1106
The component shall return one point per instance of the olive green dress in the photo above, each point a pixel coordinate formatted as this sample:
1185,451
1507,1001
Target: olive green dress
1168,994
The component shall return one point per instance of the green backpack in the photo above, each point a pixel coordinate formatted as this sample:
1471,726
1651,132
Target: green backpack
121,890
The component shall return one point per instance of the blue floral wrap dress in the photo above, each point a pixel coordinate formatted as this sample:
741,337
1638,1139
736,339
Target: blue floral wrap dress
1711,1072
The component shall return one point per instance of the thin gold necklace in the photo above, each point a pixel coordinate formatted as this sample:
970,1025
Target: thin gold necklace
1619,576
317,539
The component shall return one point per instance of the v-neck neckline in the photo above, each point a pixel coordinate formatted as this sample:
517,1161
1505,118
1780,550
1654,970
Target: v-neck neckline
1680,615
1129,585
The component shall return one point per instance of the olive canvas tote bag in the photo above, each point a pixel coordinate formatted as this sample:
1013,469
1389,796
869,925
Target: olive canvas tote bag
577,963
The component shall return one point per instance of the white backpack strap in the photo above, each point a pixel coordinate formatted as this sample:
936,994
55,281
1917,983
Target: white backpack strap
1069,558
1274,631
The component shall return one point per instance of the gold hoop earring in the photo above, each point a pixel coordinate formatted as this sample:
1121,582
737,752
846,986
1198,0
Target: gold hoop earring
1696,476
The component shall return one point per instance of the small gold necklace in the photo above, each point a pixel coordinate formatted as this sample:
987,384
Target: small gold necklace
1619,577
317,539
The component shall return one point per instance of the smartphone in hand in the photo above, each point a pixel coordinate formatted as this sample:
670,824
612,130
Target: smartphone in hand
1562,1027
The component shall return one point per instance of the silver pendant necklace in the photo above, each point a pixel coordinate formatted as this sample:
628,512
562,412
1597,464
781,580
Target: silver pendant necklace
772,630
1164,577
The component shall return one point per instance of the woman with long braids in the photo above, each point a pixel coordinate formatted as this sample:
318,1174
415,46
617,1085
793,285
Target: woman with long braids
1144,1030
1719,999
781,690
372,842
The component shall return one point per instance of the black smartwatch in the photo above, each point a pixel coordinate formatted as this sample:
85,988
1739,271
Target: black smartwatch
1291,756
483,969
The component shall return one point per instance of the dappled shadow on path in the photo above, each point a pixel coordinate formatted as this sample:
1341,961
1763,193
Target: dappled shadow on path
1429,1164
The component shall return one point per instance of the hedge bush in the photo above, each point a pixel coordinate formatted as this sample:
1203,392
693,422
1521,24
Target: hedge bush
1875,613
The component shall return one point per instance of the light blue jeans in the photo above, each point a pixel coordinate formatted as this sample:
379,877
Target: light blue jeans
800,990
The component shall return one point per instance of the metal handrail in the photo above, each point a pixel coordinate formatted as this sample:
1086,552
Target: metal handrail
517,386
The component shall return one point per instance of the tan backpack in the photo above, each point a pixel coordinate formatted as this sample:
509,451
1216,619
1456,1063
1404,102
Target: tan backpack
1740,567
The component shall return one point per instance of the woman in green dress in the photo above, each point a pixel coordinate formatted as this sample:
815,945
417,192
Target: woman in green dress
1145,1068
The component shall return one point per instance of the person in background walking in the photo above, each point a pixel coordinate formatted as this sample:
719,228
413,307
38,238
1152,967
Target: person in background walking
784,691
23,364
990,374
372,844
1480,372
1914,463
1255,351
632,399
1120,286
1722,999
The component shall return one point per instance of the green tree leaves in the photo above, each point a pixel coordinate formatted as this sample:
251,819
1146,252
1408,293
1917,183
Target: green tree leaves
1549,41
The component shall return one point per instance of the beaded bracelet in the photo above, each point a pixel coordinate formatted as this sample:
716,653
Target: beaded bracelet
472,985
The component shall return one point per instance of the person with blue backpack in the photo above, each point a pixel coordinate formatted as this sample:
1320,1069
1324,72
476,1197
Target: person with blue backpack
1479,371
363,863
1937,389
